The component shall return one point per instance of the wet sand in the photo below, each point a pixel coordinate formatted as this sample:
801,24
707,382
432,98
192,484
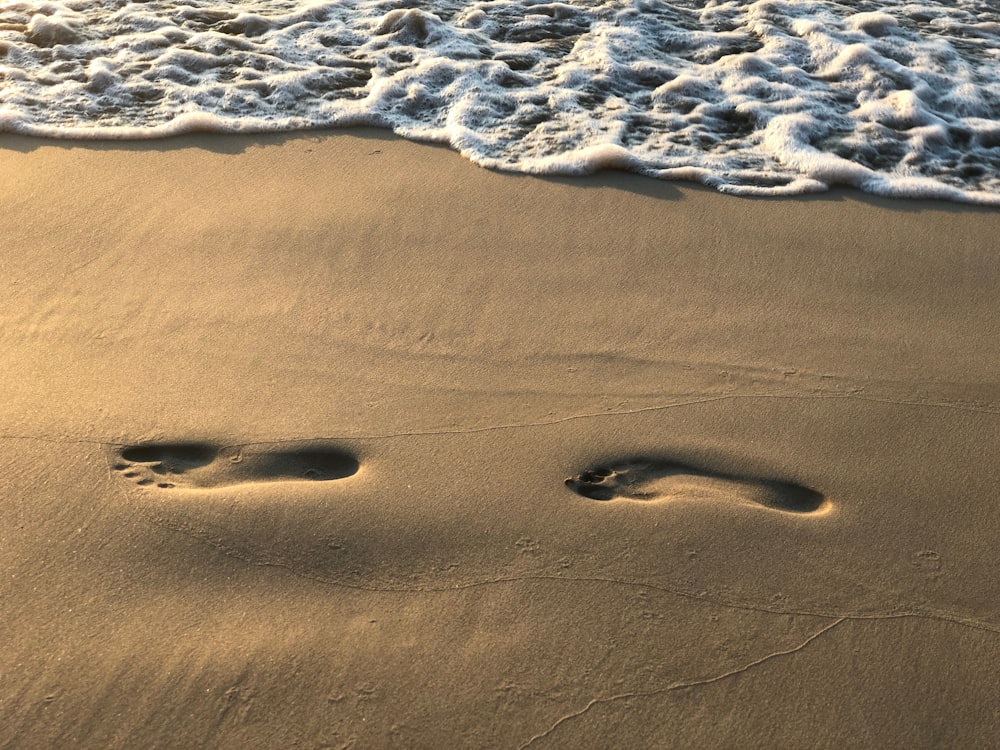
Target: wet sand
337,440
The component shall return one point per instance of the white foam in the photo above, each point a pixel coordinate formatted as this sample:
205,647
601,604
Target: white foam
873,23
766,97
48,31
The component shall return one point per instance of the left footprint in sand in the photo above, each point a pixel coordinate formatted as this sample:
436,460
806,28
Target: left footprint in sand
205,466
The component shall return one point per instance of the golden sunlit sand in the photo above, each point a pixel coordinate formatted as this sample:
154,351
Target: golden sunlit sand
335,440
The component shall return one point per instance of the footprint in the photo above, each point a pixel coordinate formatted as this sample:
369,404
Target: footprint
656,479
201,465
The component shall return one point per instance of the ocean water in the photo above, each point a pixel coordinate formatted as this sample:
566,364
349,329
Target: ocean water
771,97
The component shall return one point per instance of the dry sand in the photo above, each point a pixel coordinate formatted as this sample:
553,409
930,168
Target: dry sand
364,369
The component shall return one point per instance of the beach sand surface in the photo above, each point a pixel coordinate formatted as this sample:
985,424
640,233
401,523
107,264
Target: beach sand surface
336,440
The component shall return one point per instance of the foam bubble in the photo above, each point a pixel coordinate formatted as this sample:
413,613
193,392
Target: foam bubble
48,31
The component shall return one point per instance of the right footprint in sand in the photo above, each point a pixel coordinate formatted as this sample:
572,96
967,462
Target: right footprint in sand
657,479
204,466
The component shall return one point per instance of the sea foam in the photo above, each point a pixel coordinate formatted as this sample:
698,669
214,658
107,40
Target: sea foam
768,97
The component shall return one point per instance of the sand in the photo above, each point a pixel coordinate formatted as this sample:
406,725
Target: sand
288,422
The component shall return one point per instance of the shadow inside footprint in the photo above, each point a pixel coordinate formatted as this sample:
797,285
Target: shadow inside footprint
318,465
201,465
174,458
658,479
